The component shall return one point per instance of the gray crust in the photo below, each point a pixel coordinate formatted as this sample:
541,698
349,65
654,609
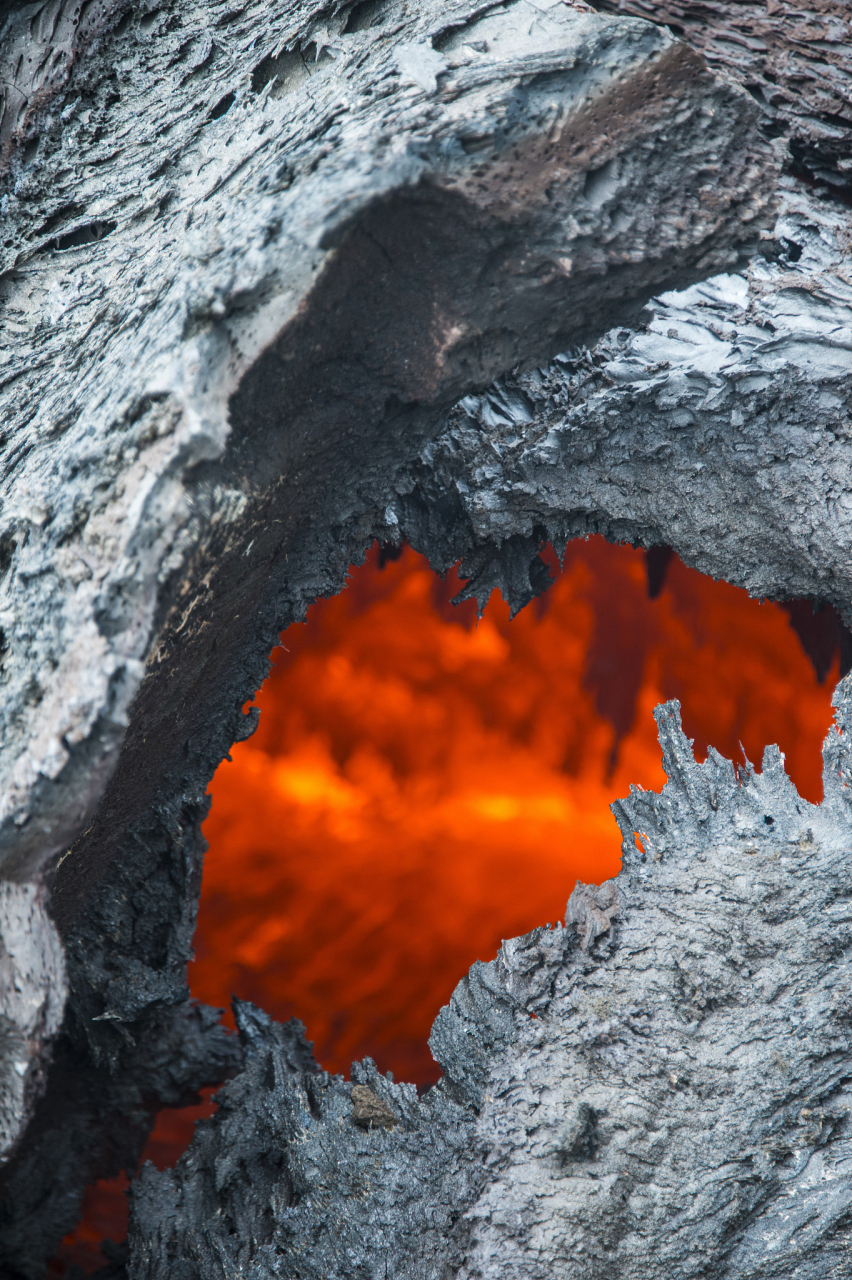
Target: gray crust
363,216
658,1091
791,55
679,1105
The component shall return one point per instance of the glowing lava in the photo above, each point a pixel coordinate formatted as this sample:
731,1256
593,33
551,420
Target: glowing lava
422,786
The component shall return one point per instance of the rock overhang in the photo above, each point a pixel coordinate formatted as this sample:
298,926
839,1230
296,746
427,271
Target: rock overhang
190,414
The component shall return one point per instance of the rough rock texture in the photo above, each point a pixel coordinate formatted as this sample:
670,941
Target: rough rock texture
32,999
658,1090
285,1180
39,45
95,1117
793,58
250,257
723,429
678,1105
272,242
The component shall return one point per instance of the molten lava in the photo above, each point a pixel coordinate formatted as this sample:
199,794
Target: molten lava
422,785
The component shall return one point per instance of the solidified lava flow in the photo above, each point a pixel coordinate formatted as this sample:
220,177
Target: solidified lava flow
422,785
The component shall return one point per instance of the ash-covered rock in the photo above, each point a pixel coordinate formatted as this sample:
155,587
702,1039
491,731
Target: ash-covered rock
682,1106
33,989
659,1092
286,242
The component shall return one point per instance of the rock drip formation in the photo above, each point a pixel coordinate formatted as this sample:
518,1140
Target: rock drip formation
722,428
659,1089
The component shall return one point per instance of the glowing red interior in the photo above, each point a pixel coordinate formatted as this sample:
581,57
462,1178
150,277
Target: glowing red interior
422,786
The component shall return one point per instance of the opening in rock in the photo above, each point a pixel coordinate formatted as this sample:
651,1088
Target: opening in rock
422,785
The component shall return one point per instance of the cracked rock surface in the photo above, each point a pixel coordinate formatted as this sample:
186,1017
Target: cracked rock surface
723,428
663,1094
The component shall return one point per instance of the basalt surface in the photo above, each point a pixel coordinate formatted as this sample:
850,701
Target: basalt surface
660,1088
253,256
250,258
261,266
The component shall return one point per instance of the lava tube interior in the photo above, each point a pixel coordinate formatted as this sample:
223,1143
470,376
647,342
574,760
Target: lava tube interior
422,785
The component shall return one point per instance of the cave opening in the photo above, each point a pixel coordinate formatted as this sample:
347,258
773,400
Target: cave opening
423,783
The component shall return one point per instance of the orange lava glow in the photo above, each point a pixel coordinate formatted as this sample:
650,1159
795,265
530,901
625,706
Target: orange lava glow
422,786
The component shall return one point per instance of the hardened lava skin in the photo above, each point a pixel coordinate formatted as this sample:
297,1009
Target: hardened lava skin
659,1088
276,281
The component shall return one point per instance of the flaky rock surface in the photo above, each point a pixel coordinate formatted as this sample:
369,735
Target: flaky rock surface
659,1089
722,428
251,257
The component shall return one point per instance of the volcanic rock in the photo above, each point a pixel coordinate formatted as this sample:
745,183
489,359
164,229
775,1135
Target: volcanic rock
664,1095
253,256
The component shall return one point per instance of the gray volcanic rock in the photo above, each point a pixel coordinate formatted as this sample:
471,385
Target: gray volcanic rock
32,1000
284,1180
39,45
679,1104
658,1090
95,1117
250,257
722,428
680,1107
